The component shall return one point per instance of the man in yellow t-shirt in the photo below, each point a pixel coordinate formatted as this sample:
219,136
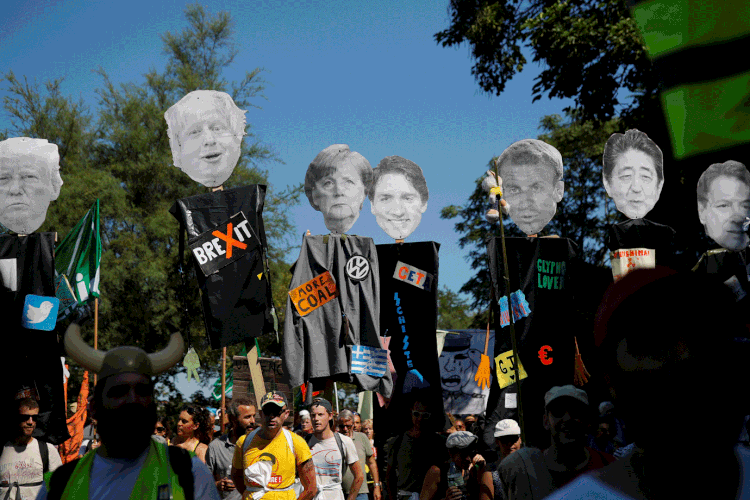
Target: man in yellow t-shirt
265,467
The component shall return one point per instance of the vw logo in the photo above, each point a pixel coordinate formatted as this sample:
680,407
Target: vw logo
357,268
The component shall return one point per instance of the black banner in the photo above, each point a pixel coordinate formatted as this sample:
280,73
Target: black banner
236,297
34,368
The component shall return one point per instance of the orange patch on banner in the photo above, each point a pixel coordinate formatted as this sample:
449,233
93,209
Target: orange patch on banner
315,293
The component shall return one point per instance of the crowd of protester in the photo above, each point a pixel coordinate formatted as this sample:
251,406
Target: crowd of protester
598,448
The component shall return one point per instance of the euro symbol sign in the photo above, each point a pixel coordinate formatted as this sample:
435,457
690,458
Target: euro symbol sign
544,356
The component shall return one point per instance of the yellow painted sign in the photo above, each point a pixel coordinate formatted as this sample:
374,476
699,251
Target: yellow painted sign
506,373
315,293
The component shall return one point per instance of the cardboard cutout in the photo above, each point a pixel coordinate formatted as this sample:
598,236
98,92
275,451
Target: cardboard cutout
531,171
205,130
633,173
335,184
235,287
541,273
332,307
34,369
724,204
459,362
399,196
29,181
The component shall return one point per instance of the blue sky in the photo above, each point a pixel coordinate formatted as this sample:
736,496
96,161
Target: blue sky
367,74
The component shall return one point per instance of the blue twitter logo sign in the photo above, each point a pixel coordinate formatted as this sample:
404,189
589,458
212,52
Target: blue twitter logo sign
40,313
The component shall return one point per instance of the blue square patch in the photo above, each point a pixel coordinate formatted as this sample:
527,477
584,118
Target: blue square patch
40,313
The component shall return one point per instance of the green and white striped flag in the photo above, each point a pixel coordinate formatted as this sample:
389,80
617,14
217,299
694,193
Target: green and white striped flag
78,257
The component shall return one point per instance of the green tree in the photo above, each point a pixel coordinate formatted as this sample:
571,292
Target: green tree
121,155
453,311
582,215
590,51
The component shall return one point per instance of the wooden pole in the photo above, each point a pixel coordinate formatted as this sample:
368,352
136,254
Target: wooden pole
256,374
96,331
223,386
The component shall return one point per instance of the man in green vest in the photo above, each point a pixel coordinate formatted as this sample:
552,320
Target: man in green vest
128,465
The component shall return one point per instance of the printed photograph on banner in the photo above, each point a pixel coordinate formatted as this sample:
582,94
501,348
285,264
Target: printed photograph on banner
335,184
29,181
532,178
459,362
506,373
399,196
724,204
633,173
314,294
625,260
205,130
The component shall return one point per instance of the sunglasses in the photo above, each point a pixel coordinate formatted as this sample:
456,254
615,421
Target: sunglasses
24,418
272,411
160,429
421,414
509,440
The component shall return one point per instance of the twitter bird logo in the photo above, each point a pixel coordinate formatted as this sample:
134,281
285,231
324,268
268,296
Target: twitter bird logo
40,313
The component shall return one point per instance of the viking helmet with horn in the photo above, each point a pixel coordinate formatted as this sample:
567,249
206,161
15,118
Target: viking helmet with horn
125,359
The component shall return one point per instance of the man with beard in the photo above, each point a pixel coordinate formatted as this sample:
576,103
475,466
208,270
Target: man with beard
530,473
220,452
128,464
25,459
364,453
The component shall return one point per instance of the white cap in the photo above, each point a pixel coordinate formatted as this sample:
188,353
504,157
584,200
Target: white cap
304,414
507,427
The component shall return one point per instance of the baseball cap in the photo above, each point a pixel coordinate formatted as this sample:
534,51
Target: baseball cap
566,391
274,397
507,427
460,439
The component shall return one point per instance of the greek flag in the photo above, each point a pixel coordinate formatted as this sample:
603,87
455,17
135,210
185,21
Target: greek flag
368,360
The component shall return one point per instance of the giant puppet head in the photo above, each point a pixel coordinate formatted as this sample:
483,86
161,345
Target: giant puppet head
633,172
336,184
531,171
724,203
398,197
205,130
29,181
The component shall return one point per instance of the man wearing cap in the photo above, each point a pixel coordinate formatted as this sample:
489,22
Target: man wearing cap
128,464
532,473
462,447
508,440
332,452
265,460
220,453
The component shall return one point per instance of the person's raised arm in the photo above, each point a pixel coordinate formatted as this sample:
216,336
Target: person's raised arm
306,473
359,477
486,486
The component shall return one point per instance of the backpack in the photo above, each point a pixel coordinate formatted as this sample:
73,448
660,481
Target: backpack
180,461
44,452
340,444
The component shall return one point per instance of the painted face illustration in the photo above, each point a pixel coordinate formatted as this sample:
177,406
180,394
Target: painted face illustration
634,184
397,205
455,368
532,194
728,203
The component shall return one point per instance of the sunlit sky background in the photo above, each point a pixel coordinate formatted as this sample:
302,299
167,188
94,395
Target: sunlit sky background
365,73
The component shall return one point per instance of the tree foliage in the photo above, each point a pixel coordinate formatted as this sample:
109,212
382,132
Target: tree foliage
453,311
589,50
120,154
582,215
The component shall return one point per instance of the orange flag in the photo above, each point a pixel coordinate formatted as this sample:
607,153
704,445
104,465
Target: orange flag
69,449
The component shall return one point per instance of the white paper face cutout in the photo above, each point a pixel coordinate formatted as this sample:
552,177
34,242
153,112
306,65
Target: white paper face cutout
29,181
724,204
531,171
399,196
205,131
335,184
633,173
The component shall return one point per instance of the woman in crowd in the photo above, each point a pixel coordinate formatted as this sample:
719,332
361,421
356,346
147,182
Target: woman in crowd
463,461
193,430
162,429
